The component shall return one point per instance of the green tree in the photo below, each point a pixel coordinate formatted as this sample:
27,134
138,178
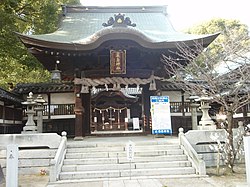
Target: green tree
234,35
28,17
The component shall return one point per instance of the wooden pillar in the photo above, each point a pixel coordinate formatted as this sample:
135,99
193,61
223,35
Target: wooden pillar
5,130
49,103
146,93
86,99
103,116
244,112
118,120
79,111
183,103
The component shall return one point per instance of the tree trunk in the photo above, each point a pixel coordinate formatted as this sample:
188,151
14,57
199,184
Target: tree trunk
230,146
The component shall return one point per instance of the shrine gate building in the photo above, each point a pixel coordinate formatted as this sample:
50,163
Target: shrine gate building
108,63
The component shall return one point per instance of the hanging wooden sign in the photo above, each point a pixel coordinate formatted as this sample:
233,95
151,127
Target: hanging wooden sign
118,62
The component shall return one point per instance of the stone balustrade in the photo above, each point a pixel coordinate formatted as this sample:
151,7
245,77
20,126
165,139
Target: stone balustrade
57,162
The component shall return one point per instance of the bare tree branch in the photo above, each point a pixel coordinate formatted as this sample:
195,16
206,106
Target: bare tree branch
224,76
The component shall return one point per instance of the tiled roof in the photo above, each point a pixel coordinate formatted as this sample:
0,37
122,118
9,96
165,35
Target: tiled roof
232,64
9,97
24,88
168,86
83,26
114,81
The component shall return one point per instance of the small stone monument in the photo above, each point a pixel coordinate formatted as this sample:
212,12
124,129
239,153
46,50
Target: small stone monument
206,122
30,126
12,165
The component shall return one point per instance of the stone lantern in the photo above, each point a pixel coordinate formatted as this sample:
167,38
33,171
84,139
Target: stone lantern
30,126
56,74
206,122
39,108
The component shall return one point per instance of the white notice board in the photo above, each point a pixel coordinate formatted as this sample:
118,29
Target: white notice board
136,124
160,113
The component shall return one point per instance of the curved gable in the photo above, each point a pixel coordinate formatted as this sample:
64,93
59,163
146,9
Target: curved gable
86,28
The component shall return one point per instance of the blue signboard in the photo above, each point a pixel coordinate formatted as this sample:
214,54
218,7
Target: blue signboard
160,113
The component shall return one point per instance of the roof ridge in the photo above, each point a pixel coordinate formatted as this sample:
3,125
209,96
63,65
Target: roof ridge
142,8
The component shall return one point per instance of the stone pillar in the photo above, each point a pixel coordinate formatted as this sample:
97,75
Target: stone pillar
39,108
193,108
30,126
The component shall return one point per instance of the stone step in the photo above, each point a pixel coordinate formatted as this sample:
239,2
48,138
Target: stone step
101,167
110,143
91,161
108,159
123,154
120,148
126,173
155,158
94,149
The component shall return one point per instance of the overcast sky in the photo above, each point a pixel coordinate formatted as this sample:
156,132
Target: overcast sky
187,13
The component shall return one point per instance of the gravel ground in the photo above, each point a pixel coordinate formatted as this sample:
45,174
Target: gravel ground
223,179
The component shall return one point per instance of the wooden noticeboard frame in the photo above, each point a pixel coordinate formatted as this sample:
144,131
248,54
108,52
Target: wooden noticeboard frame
117,61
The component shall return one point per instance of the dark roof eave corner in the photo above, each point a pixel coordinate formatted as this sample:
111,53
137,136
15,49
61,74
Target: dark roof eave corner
205,41
26,38
21,36
209,39
10,96
18,34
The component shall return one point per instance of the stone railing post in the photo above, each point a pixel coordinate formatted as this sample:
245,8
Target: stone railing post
181,133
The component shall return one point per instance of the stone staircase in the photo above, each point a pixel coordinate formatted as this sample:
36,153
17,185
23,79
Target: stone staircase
102,161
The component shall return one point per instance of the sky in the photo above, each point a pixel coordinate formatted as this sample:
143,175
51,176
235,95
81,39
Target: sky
187,13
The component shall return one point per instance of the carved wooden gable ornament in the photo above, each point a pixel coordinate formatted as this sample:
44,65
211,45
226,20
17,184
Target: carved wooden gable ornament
119,20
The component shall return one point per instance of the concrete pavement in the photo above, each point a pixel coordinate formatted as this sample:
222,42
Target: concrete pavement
234,180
